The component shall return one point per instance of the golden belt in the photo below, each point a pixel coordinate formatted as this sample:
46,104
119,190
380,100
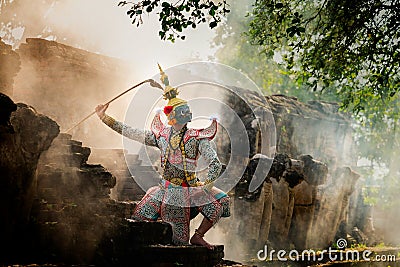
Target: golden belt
179,181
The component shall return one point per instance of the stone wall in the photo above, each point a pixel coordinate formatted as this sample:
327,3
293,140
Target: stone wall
316,128
304,206
9,67
128,170
56,207
67,83
22,142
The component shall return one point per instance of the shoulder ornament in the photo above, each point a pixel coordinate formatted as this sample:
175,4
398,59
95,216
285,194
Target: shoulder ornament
208,132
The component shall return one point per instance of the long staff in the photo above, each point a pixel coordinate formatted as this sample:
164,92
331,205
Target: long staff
152,83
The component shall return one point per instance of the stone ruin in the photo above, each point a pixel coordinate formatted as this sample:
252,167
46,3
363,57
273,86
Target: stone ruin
56,207
310,197
60,205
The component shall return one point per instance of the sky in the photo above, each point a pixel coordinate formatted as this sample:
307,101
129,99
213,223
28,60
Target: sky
110,30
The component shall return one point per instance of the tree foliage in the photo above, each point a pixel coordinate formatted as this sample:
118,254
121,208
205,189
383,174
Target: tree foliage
175,17
234,49
325,46
351,47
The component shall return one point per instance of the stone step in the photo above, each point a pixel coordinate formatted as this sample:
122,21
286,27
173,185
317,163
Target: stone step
130,195
143,233
140,168
136,162
59,148
67,148
75,143
146,177
65,141
107,151
129,186
80,149
192,256
95,170
53,168
128,190
65,159
81,212
122,209
149,244
120,174
64,136
130,158
103,153
113,163
50,179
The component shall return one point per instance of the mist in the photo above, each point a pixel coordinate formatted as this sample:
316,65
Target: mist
100,26
105,54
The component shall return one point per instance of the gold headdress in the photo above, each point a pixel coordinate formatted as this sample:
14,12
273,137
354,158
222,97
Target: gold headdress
170,93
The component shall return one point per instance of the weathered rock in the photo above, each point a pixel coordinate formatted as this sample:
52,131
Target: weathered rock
254,210
316,128
66,83
9,67
282,211
76,222
361,214
332,208
266,214
303,214
193,256
250,215
359,236
310,138
125,167
315,172
281,163
19,153
7,107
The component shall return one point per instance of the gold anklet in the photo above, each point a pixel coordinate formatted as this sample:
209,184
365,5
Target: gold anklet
196,231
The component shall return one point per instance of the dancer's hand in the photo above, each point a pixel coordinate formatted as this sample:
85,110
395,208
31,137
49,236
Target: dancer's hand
205,186
101,110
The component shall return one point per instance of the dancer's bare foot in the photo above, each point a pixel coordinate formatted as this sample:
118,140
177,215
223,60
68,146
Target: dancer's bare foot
197,239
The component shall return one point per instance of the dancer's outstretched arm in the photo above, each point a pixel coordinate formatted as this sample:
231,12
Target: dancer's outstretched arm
140,135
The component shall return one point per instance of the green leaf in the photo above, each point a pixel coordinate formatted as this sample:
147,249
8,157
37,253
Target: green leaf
213,24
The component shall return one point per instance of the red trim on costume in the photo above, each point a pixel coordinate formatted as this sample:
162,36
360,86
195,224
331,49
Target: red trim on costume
165,132
157,126
208,132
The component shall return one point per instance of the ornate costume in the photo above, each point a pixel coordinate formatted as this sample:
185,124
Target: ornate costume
180,196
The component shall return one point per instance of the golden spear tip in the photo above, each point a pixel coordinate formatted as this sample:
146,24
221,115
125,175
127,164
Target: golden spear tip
161,71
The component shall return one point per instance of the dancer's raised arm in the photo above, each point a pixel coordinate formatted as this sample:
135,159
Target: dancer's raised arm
140,135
